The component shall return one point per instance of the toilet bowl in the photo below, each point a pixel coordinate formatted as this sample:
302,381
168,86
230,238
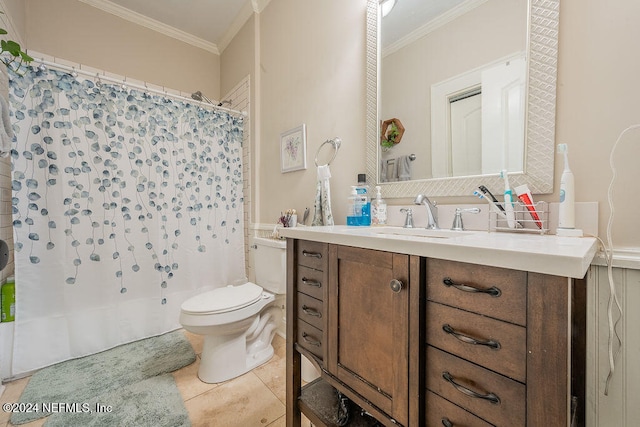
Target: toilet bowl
238,322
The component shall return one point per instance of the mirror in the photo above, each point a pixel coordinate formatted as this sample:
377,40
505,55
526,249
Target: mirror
427,129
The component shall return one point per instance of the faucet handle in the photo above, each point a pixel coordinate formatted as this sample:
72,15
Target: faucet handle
457,219
408,222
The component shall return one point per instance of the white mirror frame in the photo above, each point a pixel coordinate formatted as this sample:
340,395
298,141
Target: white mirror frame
542,54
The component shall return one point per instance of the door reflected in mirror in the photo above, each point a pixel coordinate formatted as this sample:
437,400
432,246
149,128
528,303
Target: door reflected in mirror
455,73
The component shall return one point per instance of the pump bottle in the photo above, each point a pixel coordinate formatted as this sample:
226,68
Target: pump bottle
378,209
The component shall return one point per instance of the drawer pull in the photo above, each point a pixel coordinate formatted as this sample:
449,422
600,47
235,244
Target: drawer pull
396,285
311,312
310,282
310,341
311,254
467,391
446,422
470,340
493,291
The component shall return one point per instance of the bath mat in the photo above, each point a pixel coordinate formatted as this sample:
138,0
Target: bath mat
85,379
154,402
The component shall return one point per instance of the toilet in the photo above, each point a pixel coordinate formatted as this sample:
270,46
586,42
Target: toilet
238,322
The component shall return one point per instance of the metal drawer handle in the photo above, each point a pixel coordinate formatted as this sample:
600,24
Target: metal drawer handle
311,254
470,340
311,312
309,341
446,422
464,390
310,282
493,291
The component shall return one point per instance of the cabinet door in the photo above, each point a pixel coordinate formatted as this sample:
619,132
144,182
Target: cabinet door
368,334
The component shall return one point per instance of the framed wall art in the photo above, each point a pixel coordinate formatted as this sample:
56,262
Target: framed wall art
293,149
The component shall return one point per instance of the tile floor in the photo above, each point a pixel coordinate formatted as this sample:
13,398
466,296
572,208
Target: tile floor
256,399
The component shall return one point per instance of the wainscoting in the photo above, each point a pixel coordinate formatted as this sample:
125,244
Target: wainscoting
620,407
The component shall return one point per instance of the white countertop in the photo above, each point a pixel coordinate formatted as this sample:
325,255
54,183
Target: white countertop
547,254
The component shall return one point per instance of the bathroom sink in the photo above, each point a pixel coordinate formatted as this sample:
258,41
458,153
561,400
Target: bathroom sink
421,232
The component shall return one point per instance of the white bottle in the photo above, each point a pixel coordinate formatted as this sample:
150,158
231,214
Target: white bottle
378,209
566,213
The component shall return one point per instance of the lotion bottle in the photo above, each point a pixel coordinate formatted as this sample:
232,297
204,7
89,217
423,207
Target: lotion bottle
566,213
378,209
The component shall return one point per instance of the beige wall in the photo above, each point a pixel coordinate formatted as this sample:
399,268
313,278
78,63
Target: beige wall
104,41
237,61
238,58
312,72
598,97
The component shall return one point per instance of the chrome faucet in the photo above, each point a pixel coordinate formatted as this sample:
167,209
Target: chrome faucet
431,211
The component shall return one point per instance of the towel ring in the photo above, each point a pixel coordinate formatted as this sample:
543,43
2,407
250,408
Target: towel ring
336,142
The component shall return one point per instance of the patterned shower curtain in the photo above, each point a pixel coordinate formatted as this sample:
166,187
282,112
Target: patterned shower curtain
124,205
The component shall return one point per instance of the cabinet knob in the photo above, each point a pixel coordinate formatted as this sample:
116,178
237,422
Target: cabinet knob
396,285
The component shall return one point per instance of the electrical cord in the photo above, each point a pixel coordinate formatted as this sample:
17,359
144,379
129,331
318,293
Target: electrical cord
608,251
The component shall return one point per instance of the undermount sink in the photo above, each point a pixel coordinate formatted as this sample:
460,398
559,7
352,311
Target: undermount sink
421,232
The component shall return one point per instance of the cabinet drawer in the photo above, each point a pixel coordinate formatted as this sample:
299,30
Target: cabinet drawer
310,338
310,310
490,396
311,282
491,291
441,412
312,254
494,344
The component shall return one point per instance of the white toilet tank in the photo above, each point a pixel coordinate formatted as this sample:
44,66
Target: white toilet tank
270,258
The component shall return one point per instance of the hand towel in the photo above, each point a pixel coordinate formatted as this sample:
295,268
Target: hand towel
403,166
322,210
383,171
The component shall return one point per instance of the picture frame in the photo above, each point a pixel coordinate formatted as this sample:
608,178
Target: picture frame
293,149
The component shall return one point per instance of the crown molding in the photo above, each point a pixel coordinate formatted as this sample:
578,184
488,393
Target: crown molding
248,9
243,16
152,24
259,5
433,25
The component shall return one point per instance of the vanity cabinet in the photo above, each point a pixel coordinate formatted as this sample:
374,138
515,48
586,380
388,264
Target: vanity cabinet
415,340
369,325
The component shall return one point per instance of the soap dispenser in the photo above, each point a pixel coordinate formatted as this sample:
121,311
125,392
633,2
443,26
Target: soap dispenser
378,209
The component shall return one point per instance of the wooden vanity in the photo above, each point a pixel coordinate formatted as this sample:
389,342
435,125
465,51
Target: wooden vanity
415,339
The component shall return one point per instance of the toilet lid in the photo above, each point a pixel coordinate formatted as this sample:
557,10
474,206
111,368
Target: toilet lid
223,299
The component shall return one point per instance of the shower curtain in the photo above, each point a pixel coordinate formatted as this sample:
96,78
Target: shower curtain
125,204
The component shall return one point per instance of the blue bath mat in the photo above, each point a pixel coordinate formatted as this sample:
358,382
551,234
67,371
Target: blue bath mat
89,379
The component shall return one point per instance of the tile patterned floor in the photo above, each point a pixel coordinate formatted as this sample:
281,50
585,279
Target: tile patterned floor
256,399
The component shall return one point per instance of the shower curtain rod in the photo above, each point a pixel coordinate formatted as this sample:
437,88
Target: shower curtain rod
124,82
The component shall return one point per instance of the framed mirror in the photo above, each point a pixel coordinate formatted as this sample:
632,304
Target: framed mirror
424,106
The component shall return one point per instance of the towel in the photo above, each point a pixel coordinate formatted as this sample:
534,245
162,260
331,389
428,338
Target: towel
322,210
383,171
6,132
403,167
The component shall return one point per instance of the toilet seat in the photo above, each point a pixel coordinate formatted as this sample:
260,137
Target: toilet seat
223,300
